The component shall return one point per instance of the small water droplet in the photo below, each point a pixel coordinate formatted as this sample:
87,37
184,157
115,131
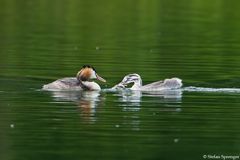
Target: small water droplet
12,125
117,126
97,48
176,140
178,109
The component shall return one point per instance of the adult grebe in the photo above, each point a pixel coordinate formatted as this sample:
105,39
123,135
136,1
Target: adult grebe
173,83
80,82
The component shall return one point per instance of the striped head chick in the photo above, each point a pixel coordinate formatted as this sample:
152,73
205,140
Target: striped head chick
132,78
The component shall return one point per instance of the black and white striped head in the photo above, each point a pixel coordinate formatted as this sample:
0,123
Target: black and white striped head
132,78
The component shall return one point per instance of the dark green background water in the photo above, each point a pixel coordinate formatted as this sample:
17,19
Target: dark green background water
40,41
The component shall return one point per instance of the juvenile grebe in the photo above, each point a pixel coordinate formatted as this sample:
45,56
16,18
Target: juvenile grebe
81,82
173,83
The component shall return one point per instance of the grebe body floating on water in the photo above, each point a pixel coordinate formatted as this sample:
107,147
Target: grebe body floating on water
173,83
81,82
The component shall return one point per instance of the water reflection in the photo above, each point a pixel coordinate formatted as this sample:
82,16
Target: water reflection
129,98
130,101
174,95
133,101
133,98
87,101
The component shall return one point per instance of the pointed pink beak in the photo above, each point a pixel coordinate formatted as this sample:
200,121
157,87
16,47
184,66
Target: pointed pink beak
100,78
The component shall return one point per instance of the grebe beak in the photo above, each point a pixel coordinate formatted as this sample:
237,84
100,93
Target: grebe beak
100,78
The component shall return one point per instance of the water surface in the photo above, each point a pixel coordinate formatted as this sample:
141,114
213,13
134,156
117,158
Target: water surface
43,40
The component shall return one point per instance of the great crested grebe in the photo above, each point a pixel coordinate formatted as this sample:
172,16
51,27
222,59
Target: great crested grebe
81,82
173,83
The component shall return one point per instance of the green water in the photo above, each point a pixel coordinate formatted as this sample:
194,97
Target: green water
197,41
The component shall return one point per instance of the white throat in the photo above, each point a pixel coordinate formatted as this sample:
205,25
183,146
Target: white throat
137,85
91,85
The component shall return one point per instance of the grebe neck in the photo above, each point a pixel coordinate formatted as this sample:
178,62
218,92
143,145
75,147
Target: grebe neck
89,86
83,85
137,84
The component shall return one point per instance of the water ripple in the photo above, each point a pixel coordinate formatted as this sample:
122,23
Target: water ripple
204,89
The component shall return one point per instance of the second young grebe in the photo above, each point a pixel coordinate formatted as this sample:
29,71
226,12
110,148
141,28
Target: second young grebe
173,83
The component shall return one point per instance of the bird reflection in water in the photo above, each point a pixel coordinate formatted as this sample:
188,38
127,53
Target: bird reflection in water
134,97
87,101
132,101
